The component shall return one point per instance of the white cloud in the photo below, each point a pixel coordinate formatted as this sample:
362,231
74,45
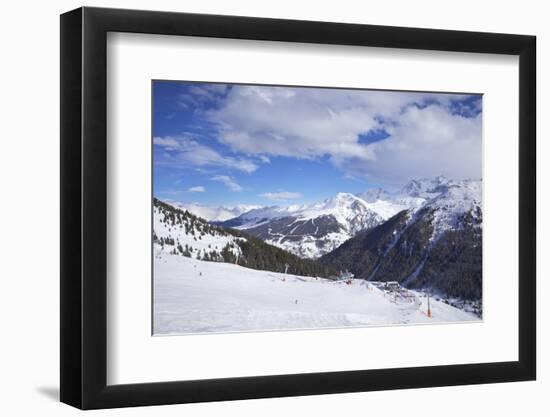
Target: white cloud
184,150
282,196
301,123
425,137
197,189
425,143
200,94
216,88
229,182
169,143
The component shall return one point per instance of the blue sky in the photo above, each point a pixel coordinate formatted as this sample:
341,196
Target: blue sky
221,144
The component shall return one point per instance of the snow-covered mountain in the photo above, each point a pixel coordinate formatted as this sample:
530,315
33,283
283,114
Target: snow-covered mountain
436,245
214,213
260,215
412,195
455,200
311,231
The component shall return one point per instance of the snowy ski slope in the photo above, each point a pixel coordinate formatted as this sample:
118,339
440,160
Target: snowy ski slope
192,296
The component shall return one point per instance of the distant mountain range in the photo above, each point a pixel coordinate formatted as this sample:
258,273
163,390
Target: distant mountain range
313,230
428,234
214,213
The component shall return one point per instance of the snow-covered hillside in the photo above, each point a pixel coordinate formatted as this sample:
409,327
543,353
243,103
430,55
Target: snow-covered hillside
177,232
192,296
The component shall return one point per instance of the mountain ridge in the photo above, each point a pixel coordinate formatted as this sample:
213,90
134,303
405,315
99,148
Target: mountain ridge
341,217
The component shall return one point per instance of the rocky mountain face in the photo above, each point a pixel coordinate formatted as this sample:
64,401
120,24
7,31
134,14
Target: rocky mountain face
436,246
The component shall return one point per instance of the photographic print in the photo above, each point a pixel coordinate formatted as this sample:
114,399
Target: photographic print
293,207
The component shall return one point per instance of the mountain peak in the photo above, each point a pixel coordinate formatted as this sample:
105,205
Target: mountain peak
343,198
422,186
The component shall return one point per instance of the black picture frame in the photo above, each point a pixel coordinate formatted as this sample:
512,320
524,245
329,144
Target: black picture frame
84,207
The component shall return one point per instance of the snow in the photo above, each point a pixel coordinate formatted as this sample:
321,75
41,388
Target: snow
456,200
308,246
449,200
345,208
192,296
386,209
418,193
198,244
